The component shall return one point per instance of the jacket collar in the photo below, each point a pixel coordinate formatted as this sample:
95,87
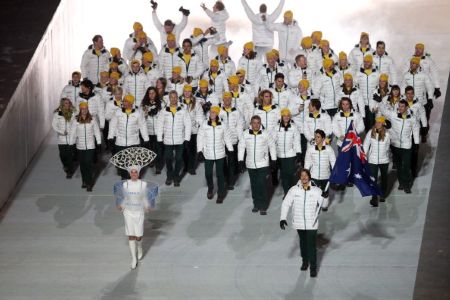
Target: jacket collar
168,108
251,131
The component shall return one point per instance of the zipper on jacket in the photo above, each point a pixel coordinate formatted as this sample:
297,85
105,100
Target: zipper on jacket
126,132
85,136
304,208
318,175
284,144
401,132
254,151
173,125
65,129
214,142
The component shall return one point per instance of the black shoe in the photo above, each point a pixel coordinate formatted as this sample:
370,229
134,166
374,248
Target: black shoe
382,199
374,201
407,190
69,175
349,184
423,140
255,209
230,187
263,212
84,185
401,187
168,181
176,183
325,209
192,172
313,273
158,171
220,199
304,266
89,188
210,194
275,182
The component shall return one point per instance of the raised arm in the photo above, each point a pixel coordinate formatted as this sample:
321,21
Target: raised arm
250,14
157,22
276,13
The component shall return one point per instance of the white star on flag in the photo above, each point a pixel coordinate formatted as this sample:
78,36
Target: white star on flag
358,176
348,170
372,178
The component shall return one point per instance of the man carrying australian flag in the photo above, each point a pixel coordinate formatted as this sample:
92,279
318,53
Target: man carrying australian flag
352,166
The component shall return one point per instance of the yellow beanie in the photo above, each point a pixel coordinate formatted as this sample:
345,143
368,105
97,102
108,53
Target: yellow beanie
327,62
197,31
135,61
270,54
221,49
214,63
83,104
114,75
342,55
203,83
306,42
368,58
148,56
114,51
317,35
104,73
249,46
364,34
227,94
233,79
241,72
415,60
384,77
380,119
113,65
215,109
187,88
420,46
324,43
141,35
304,83
285,112
289,14
276,52
348,76
171,37
176,69
129,98
137,26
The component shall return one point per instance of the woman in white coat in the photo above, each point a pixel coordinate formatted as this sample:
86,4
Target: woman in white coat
376,145
306,201
61,124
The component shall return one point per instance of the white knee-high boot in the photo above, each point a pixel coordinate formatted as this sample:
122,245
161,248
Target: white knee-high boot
132,244
140,252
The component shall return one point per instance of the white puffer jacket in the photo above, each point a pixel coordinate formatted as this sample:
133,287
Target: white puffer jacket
322,121
71,92
136,84
251,67
367,84
385,65
95,105
122,64
111,108
374,103
62,128
314,59
212,140
330,55
258,148
219,19
262,36
151,119
153,73
167,61
266,76
355,96
174,129
296,74
421,83
325,87
356,56
289,37
428,66
287,140
419,112
130,54
195,114
269,119
194,69
299,110
377,150
92,65
243,102
341,123
200,45
282,97
219,84
234,121
228,67
177,29
305,205
320,162
403,130
85,135
175,86
125,128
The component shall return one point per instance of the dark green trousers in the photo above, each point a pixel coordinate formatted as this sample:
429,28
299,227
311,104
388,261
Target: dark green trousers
209,165
157,147
86,158
190,154
287,173
304,145
231,165
173,174
308,249
369,120
402,158
383,174
66,154
258,183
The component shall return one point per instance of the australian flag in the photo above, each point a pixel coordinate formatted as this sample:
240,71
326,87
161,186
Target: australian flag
352,165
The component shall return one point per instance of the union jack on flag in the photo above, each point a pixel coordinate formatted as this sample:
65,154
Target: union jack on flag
351,165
